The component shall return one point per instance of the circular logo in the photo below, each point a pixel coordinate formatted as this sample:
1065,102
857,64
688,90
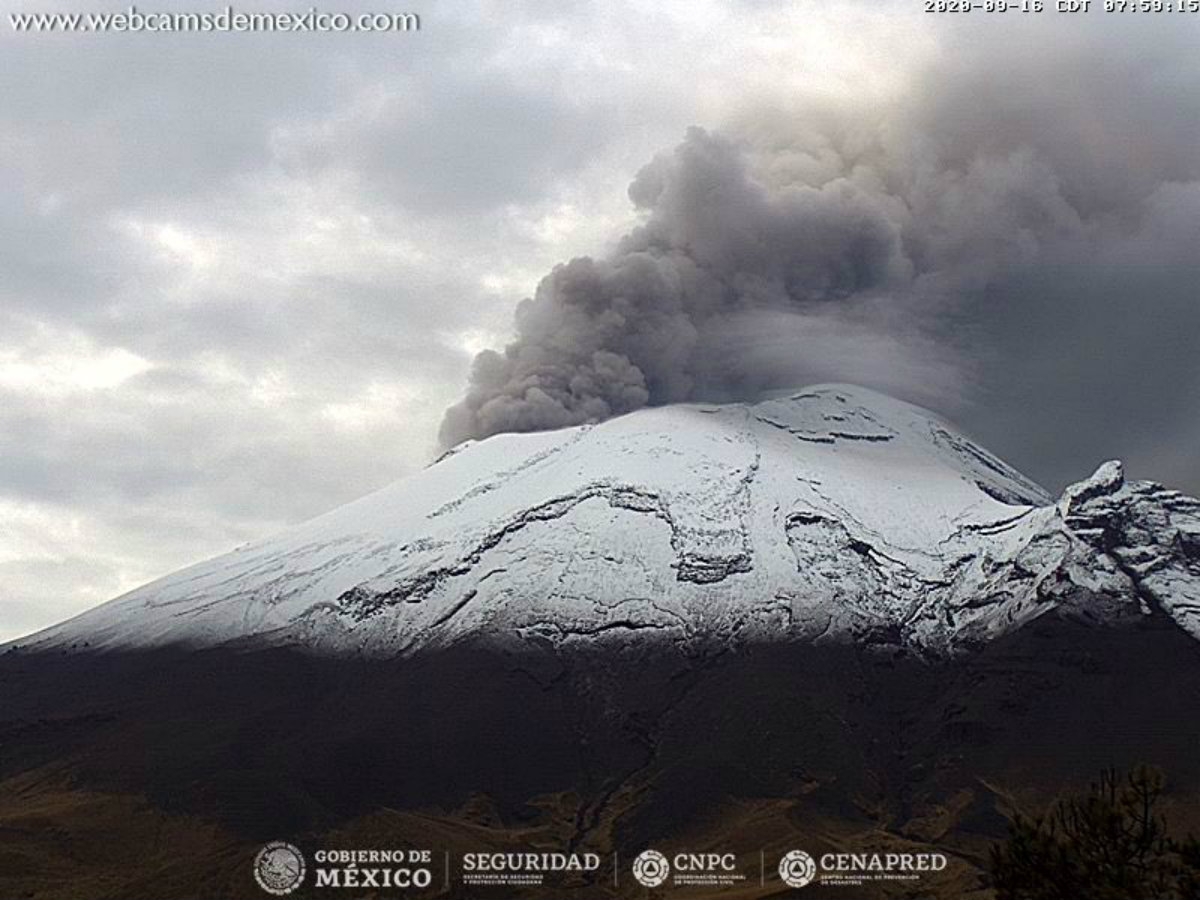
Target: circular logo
279,868
797,869
651,868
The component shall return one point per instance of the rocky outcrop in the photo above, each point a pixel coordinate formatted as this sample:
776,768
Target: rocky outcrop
1151,533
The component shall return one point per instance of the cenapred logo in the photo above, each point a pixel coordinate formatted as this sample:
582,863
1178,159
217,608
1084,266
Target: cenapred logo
797,869
651,868
279,868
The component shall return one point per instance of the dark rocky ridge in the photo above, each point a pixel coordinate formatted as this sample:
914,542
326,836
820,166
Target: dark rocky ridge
612,750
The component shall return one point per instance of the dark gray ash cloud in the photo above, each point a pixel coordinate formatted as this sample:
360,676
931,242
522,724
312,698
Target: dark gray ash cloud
906,246
649,323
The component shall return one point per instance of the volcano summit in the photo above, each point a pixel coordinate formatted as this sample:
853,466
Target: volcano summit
836,514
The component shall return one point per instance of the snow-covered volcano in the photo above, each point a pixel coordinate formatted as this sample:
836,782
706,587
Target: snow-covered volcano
836,514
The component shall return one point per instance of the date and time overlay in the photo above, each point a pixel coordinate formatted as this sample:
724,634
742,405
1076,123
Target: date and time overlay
1062,6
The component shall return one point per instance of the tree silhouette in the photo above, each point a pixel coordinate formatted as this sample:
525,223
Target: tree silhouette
1108,844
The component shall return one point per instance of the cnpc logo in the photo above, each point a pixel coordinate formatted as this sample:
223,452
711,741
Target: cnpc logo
652,868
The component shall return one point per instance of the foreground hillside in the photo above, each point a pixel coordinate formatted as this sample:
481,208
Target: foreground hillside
161,773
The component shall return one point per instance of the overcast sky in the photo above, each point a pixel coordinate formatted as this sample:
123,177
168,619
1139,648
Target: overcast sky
243,276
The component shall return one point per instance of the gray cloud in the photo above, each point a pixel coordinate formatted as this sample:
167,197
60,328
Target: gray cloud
238,285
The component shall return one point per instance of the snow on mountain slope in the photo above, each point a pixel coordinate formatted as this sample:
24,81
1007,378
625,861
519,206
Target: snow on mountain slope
834,514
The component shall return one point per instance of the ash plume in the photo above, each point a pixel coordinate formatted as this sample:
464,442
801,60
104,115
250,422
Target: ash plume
857,241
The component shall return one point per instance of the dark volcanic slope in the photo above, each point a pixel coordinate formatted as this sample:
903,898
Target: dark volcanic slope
160,773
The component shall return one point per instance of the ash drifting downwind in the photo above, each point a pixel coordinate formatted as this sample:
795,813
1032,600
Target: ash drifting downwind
890,244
